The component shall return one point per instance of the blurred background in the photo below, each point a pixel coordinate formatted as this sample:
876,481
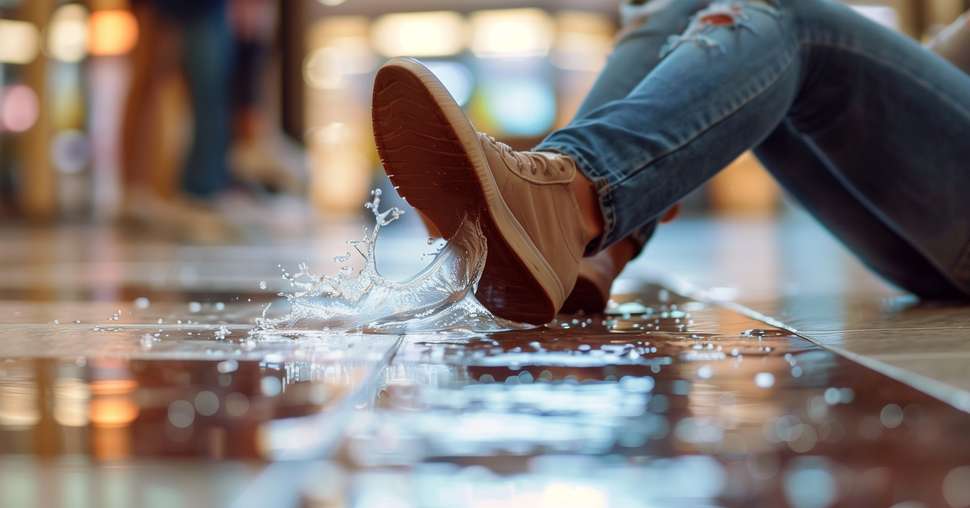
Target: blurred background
189,116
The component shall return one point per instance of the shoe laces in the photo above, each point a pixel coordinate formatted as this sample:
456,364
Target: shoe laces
533,161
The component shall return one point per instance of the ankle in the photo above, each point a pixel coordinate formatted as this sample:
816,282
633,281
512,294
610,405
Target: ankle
589,207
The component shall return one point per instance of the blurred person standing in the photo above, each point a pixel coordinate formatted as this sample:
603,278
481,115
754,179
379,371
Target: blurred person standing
191,38
221,48
262,155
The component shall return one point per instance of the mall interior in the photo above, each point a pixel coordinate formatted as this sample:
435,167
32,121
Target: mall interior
172,171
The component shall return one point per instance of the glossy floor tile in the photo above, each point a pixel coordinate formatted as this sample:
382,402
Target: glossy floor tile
644,411
128,377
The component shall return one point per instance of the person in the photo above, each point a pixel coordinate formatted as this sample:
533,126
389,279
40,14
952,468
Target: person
861,125
262,156
222,48
178,38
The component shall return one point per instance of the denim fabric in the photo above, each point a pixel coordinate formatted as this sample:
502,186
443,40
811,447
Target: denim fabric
207,60
879,119
647,28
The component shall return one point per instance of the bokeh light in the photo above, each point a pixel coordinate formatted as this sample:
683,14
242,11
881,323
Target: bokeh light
112,32
521,107
19,108
67,36
513,33
340,48
70,152
420,34
456,77
19,42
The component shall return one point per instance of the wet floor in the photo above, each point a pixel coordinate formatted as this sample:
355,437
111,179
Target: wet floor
134,395
662,403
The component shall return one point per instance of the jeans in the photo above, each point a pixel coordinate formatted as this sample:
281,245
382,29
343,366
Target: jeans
861,125
207,60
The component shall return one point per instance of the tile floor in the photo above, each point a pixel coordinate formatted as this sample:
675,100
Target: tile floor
127,379
794,272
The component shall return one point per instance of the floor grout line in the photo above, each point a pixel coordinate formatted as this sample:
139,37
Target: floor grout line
286,475
949,394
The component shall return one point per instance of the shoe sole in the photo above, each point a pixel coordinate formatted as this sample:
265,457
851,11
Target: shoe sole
434,158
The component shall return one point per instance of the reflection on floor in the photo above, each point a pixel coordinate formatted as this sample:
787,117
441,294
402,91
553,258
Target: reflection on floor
127,379
793,271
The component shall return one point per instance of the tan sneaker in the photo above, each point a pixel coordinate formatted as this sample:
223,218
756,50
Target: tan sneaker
448,171
592,291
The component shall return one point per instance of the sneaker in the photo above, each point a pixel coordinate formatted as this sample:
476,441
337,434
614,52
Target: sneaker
273,163
447,170
592,291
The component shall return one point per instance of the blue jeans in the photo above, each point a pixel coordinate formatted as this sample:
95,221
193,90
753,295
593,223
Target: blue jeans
861,125
207,59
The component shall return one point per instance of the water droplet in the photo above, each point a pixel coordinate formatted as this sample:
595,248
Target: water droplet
956,487
181,414
810,484
846,395
271,386
227,366
764,380
831,396
891,416
142,303
195,307
262,285
206,403
236,405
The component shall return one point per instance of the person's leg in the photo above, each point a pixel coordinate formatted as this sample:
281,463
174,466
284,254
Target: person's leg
862,95
647,26
739,70
645,32
262,156
790,159
208,60
154,59
812,180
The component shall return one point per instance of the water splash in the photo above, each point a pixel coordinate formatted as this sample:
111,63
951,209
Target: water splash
440,298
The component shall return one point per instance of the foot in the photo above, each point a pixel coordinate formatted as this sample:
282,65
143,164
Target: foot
178,218
448,171
596,276
272,163
592,291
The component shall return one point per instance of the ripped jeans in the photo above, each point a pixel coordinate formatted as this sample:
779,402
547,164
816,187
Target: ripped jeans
864,127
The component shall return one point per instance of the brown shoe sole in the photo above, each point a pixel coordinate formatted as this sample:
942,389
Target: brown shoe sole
433,156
